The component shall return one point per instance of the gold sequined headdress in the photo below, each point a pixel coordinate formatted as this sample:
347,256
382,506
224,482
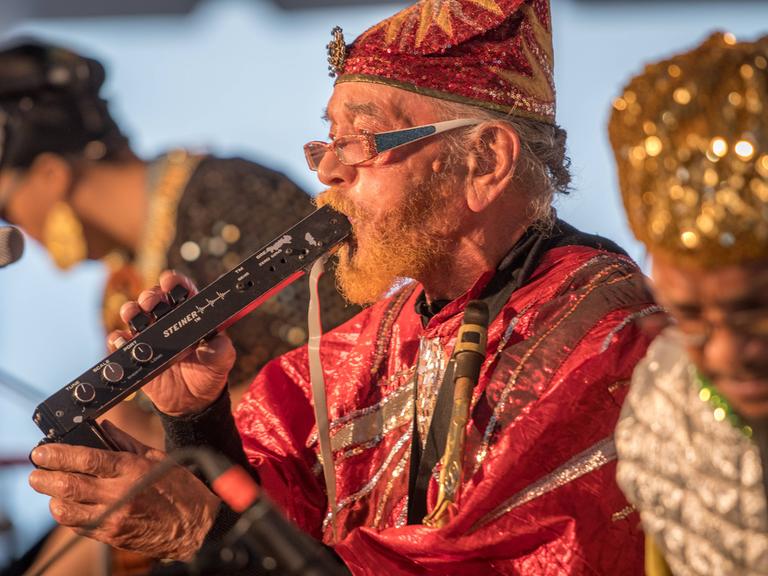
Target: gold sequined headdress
690,136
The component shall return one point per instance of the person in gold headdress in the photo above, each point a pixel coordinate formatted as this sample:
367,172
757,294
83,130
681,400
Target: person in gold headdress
690,136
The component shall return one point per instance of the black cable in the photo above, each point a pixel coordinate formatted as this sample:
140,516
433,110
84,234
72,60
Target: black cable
21,388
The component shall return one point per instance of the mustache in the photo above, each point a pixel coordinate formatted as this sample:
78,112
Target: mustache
339,202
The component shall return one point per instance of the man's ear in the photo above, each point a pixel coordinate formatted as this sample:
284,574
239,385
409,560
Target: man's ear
492,164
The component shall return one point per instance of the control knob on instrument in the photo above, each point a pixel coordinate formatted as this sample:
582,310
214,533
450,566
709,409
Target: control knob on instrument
112,373
83,393
142,353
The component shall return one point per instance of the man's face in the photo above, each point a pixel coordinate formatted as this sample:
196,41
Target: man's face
723,317
403,204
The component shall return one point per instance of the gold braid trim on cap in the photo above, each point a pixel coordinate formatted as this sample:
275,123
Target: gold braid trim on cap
690,136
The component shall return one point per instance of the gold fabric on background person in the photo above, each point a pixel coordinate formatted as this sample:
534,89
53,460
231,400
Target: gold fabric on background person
690,136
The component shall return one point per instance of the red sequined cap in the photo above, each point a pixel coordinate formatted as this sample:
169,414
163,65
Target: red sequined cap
491,53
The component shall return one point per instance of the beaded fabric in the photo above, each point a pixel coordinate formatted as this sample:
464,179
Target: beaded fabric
222,212
690,136
229,209
695,478
496,54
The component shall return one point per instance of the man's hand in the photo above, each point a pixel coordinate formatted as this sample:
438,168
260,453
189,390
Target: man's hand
193,383
167,520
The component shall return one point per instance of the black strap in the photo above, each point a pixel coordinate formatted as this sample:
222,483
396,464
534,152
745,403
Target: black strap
513,272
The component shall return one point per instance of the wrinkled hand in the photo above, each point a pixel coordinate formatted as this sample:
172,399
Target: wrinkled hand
193,383
167,520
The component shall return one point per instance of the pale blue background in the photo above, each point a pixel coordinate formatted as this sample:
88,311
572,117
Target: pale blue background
243,77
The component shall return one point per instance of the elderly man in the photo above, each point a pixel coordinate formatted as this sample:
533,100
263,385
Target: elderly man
445,155
691,141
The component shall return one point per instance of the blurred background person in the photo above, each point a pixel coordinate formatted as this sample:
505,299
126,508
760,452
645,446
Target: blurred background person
692,152
70,179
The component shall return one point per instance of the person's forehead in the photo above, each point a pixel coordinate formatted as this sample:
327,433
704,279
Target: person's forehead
677,283
350,99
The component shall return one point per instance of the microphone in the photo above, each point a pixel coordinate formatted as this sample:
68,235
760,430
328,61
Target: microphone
469,351
468,354
11,245
262,538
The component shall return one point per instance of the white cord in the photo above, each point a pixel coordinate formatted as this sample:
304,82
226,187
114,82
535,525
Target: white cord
318,388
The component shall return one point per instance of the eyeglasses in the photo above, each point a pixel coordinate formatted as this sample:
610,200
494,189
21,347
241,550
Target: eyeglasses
353,149
697,331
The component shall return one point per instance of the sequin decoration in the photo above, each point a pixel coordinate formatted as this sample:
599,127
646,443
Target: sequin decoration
429,375
403,441
697,481
229,208
587,461
491,53
690,136
721,409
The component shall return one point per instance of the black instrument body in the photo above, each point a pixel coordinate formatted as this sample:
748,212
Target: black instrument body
69,415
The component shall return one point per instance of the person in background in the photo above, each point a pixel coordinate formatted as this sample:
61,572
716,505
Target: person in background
69,178
690,136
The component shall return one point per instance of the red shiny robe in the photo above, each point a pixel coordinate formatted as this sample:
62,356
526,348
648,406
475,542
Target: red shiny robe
538,494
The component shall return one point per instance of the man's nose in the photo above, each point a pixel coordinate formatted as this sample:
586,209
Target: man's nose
727,351
331,172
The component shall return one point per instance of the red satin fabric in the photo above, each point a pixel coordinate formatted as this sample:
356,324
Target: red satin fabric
491,53
538,493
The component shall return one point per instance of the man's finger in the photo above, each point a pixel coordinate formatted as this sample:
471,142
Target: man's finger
171,278
150,298
218,354
74,514
67,486
117,339
101,463
129,310
126,442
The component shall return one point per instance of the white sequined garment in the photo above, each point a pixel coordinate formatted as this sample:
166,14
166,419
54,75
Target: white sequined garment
697,482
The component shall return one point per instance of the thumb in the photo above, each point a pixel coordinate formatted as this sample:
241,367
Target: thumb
126,442
218,354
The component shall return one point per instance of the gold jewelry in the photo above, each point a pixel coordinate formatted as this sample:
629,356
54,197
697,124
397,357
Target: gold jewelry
160,231
337,52
63,236
690,136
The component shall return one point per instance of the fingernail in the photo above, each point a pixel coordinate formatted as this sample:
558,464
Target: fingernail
118,342
40,456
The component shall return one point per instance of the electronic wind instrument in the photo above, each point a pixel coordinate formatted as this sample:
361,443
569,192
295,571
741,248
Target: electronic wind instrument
171,328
